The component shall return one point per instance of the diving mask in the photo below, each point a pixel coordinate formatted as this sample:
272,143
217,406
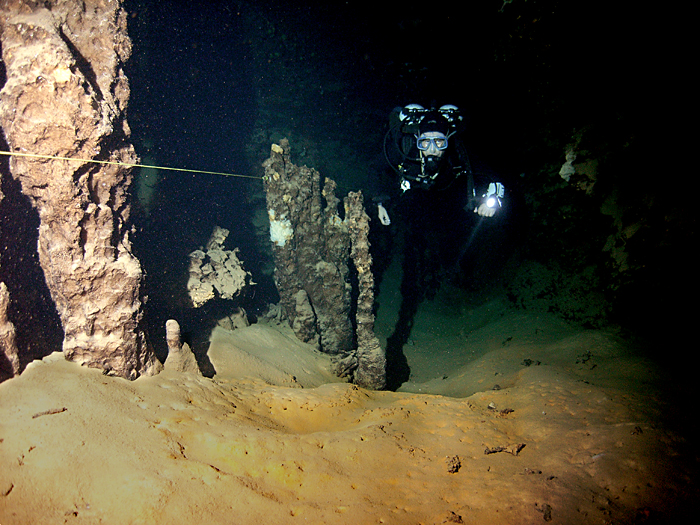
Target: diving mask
431,140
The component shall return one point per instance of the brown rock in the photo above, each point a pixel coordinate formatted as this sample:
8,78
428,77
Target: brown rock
8,346
371,357
311,246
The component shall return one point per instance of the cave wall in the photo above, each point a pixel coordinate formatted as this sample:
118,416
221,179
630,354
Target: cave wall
585,129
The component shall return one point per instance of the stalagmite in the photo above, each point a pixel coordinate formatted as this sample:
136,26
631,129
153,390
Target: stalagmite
371,358
172,335
180,357
65,96
311,247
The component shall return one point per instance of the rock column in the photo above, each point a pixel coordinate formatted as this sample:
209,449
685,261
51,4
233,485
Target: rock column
311,246
65,96
371,358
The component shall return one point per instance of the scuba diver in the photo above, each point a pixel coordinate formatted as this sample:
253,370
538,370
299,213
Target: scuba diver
446,232
445,202
424,149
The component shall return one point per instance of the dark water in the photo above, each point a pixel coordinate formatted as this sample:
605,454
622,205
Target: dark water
215,83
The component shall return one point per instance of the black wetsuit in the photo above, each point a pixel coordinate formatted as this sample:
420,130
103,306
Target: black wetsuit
435,217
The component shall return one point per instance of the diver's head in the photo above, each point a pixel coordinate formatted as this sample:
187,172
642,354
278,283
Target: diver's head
432,137
431,143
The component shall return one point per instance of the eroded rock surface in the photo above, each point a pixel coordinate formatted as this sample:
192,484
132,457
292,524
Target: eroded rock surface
311,246
215,272
371,358
9,355
65,96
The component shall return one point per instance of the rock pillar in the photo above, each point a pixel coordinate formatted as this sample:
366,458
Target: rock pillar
180,357
371,358
311,246
65,96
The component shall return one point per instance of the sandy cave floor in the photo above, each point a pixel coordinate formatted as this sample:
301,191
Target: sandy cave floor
577,434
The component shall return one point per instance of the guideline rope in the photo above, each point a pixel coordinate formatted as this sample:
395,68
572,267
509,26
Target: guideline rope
124,164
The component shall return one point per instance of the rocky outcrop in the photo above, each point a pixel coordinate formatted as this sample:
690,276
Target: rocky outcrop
9,354
65,96
371,358
215,271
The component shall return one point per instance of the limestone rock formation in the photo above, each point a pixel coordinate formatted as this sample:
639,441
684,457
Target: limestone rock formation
180,357
304,320
371,358
8,346
311,247
238,318
215,272
65,96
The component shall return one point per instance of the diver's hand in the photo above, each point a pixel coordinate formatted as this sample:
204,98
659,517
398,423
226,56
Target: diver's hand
491,200
485,211
383,215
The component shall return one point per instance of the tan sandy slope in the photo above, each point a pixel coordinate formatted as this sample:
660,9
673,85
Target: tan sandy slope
572,440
